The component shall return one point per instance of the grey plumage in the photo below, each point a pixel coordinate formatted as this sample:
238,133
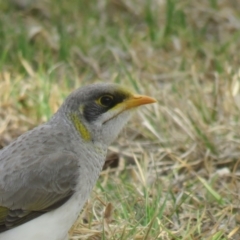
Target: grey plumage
35,174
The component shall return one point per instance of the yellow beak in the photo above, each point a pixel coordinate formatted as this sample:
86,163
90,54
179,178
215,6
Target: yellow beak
138,100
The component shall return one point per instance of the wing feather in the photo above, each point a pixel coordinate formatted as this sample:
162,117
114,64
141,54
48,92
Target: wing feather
32,184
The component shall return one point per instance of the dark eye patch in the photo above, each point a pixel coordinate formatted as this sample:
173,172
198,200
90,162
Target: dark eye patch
101,104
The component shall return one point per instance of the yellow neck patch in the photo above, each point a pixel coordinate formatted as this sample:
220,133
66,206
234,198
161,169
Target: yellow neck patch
80,127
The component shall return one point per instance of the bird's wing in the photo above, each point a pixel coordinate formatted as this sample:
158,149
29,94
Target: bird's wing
41,185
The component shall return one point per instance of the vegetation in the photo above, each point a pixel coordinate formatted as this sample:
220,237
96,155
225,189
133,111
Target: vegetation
178,170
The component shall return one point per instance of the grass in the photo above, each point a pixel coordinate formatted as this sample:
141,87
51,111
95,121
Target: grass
178,174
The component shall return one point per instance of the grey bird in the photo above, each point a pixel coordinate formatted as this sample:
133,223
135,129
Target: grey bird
47,174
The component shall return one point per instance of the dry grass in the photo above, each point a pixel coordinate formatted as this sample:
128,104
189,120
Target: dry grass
178,174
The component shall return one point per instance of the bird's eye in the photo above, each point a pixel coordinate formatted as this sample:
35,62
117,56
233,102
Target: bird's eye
106,100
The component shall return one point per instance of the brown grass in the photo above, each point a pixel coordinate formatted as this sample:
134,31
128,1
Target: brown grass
178,173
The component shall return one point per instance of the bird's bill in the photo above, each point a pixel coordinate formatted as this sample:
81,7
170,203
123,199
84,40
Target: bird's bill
138,100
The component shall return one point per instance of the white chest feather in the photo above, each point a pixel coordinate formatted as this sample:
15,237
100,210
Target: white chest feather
53,225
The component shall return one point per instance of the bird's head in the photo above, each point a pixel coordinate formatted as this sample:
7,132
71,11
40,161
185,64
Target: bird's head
99,111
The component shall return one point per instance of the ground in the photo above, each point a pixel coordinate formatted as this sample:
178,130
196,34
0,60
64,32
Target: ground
175,171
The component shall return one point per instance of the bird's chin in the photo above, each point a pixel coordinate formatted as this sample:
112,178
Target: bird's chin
112,117
111,127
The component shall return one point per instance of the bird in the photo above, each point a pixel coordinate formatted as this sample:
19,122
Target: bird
48,173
